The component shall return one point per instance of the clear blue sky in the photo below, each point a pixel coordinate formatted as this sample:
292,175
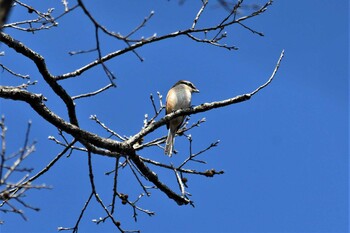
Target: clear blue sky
284,152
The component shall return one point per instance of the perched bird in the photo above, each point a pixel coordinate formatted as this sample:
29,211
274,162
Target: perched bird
178,97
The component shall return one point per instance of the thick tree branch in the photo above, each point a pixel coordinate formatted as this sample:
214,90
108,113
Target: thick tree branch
36,102
5,8
48,77
126,147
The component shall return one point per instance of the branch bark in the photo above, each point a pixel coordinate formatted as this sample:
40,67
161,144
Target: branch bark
122,147
5,8
42,68
125,147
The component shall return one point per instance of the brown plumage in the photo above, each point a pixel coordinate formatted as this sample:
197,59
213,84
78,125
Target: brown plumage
178,97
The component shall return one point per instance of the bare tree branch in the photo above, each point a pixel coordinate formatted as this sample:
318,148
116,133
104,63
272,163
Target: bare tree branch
203,107
152,39
5,8
125,150
36,102
93,93
14,73
48,77
12,193
126,147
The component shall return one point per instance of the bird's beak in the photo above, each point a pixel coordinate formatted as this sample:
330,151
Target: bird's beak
195,90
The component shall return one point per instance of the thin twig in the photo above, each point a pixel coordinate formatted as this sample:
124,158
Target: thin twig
97,197
250,29
65,4
76,226
192,156
271,77
94,117
115,183
14,73
143,23
72,53
44,170
132,168
93,93
205,3
179,181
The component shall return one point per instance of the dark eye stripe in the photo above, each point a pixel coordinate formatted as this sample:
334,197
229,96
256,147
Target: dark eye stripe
186,83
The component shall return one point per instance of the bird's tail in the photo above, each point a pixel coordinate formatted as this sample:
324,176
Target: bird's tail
169,143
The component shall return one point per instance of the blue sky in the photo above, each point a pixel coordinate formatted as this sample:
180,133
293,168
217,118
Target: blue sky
284,152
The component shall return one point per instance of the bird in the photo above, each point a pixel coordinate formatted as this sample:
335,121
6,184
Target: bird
178,97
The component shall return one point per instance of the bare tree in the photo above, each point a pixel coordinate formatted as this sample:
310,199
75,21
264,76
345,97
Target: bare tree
11,163
126,150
